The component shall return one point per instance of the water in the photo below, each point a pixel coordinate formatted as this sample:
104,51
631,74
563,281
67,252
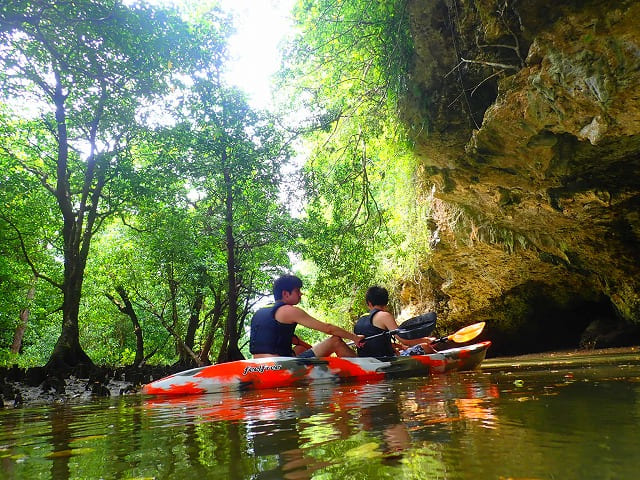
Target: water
562,416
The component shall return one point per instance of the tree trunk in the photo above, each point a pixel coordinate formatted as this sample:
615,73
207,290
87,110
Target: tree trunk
216,315
24,321
173,301
230,351
67,351
194,322
126,307
77,232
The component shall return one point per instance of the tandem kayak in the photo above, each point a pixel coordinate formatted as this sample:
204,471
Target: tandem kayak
274,372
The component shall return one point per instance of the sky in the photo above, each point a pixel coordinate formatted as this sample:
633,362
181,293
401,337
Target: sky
260,25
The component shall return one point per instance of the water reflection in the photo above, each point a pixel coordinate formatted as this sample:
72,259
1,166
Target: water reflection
292,433
502,422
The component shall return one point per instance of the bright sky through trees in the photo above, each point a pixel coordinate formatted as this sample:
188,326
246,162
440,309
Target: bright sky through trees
260,26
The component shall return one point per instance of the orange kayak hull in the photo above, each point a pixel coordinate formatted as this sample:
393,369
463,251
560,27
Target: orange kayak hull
276,372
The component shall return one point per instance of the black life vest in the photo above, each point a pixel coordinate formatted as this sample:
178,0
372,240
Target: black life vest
377,347
270,336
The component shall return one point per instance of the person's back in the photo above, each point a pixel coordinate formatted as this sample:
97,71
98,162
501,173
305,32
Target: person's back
376,324
268,336
380,322
380,345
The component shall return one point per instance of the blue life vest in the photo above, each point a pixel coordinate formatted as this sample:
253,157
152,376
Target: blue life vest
270,336
376,347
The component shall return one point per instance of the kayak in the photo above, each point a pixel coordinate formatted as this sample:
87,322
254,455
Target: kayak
274,372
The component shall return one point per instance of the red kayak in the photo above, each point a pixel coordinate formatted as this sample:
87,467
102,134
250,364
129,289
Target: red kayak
276,372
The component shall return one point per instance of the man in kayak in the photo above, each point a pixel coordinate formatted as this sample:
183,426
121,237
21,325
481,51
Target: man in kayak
273,327
378,321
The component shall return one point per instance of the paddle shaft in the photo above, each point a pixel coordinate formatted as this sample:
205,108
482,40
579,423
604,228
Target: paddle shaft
409,332
441,339
399,330
418,327
463,335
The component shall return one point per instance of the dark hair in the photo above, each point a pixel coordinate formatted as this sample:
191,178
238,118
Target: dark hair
286,283
377,296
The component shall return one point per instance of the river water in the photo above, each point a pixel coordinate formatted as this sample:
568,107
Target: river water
559,416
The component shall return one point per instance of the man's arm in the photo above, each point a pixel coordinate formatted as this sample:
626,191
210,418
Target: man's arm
387,321
292,314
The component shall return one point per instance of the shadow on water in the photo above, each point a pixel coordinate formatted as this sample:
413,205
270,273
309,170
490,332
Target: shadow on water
536,417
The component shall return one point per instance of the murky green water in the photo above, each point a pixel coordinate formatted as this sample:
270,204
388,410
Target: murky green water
553,417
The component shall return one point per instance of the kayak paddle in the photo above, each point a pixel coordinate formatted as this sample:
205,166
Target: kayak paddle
463,335
419,330
416,327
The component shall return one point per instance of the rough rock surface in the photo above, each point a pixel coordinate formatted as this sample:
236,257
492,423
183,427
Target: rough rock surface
526,117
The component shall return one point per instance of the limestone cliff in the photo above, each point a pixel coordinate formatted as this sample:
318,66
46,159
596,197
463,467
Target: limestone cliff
526,116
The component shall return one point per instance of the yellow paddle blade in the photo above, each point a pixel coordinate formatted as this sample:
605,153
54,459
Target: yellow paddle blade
467,333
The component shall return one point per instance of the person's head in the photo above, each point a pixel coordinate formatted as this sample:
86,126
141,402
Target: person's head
285,283
377,296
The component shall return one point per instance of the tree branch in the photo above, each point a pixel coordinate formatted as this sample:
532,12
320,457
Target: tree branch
25,253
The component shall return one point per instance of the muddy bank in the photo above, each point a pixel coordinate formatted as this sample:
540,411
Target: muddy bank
37,386
565,359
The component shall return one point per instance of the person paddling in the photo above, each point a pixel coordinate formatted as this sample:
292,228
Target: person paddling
273,327
378,321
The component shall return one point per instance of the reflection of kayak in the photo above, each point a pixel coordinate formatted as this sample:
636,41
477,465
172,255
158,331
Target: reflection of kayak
286,371
427,400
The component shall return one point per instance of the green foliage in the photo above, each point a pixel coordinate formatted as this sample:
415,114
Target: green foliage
134,156
241,151
127,119
84,70
349,56
27,227
40,339
344,225
176,247
348,68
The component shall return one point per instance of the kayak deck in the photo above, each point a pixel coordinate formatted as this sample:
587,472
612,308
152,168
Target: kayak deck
276,372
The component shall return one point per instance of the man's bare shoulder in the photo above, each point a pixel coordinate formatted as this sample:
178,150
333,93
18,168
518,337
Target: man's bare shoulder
289,313
384,319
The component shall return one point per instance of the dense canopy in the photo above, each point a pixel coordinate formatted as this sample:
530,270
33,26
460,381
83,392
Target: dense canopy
146,206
